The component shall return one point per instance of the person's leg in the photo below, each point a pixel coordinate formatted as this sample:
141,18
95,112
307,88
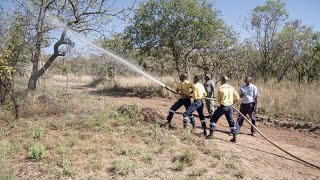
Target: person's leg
240,119
214,119
211,106
173,110
229,116
187,103
188,113
207,101
202,119
252,117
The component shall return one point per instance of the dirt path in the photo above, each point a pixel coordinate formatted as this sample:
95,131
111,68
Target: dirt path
262,159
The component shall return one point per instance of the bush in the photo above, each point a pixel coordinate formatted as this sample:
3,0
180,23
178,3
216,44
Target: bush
185,160
122,167
67,168
37,151
37,134
9,149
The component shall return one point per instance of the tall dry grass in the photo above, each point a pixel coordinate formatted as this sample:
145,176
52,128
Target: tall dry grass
287,99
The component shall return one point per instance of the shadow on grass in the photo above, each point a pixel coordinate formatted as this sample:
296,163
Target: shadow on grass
142,92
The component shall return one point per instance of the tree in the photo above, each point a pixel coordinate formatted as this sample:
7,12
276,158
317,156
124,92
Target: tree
12,54
265,22
179,26
6,83
79,15
213,59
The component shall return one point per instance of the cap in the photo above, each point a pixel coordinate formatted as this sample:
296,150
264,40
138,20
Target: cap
208,76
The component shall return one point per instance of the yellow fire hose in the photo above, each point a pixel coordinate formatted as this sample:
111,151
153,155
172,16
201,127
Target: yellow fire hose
306,162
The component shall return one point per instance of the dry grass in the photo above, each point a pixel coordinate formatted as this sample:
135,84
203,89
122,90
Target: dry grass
300,102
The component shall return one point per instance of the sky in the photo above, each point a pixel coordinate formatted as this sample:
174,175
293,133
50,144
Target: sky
234,12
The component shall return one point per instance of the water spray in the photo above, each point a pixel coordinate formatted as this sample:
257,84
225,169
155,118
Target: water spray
104,51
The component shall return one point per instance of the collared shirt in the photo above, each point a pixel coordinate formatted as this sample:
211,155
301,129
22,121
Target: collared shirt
209,87
250,93
184,87
198,91
226,95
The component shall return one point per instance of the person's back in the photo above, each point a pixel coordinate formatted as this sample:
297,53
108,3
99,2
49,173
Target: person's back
199,91
184,88
209,87
227,95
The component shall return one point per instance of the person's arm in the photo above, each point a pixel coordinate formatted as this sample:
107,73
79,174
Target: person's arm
241,92
219,96
205,94
256,95
178,88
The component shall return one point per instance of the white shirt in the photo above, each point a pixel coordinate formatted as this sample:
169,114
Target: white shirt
250,93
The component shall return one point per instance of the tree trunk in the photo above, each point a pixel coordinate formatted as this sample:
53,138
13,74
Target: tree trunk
176,57
39,40
2,95
187,69
32,84
16,104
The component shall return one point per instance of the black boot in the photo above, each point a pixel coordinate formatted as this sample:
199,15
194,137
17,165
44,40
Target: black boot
170,126
204,127
234,139
210,136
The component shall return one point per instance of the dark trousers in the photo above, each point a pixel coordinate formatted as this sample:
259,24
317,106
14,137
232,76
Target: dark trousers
181,102
196,106
246,109
223,110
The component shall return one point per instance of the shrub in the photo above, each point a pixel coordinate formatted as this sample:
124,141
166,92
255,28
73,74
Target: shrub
9,149
187,159
37,151
122,167
148,159
37,134
67,167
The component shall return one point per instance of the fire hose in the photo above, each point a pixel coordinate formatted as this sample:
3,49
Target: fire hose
264,136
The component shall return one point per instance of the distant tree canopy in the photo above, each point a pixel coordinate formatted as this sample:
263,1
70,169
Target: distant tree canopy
173,30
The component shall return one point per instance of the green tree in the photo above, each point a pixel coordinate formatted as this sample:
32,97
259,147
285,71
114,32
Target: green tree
13,54
265,22
178,26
